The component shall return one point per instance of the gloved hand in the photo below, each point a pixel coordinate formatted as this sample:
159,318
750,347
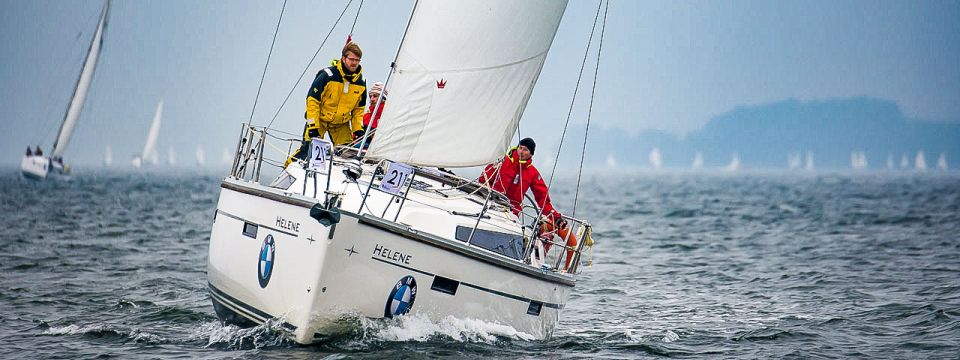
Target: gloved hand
358,134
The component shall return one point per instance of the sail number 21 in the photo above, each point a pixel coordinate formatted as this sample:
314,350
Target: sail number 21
396,175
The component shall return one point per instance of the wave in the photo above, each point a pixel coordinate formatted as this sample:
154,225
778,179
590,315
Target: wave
106,331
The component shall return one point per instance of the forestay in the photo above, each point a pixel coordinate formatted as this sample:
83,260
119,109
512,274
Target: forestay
463,75
80,92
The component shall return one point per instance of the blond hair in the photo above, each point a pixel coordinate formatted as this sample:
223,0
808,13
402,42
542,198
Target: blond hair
352,47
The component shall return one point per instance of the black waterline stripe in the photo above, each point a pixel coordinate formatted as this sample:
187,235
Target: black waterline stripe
252,310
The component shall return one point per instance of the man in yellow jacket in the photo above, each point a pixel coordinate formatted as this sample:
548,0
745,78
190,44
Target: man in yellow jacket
335,102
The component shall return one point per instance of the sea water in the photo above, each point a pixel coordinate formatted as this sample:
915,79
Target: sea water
827,265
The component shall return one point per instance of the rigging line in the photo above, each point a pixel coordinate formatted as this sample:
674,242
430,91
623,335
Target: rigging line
354,25
576,89
269,54
309,63
593,92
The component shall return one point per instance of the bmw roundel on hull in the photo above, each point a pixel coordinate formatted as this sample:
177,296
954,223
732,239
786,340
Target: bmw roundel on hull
401,297
265,264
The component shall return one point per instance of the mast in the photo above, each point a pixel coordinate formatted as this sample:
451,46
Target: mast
81,88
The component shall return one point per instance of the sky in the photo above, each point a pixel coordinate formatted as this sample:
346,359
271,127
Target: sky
665,65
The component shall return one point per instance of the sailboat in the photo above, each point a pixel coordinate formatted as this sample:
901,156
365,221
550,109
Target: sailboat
201,156
793,161
149,154
697,161
920,162
171,157
108,156
36,165
889,161
904,161
942,162
858,160
656,160
384,234
734,164
808,161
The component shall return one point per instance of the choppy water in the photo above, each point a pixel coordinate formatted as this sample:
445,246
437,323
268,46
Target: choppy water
745,266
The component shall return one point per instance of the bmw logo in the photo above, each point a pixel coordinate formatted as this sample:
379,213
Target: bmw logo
401,297
265,265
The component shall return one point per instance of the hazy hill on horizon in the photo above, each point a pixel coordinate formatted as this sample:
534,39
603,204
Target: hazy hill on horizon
765,135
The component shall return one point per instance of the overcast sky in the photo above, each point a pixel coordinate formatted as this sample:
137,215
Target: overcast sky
667,65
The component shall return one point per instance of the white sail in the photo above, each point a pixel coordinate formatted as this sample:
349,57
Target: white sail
201,156
793,161
149,148
108,157
463,75
83,85
697,160
734,163
904,162
171,156
889,161
920,163
808,162
942,162
656,160
611,161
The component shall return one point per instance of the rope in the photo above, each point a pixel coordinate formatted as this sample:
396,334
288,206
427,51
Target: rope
310,63
593,92
262,76
354,25
576,89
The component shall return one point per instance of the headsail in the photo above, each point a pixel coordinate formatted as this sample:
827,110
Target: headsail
80,91
463,75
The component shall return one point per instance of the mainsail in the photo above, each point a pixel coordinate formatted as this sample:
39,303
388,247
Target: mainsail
80,91
150,148
462,78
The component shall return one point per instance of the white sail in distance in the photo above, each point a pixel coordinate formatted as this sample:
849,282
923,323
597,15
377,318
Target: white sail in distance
462,78
150,147
656,160
201,156
83,86
697,161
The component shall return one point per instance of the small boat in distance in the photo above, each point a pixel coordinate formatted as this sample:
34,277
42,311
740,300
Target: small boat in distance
149,154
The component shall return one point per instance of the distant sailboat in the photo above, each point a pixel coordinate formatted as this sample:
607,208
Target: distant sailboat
904,161
611,161
920,163
808,163
734,163
201,156
942,162
858,160
108,157
171,156
889,161
36,165
793,161
697,161
656,160
149,153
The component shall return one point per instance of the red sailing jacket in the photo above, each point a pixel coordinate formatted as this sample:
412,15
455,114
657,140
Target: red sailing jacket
514,179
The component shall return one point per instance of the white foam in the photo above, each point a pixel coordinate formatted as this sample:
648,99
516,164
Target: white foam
421,328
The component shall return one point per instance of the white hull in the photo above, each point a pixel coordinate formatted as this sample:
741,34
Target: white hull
318,278
35,167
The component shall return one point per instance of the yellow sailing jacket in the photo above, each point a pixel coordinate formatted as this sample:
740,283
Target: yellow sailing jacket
336,98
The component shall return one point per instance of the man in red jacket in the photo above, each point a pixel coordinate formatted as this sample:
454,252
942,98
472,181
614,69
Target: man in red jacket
514,176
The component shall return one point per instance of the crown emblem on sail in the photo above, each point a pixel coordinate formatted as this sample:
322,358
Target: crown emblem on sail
441,84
